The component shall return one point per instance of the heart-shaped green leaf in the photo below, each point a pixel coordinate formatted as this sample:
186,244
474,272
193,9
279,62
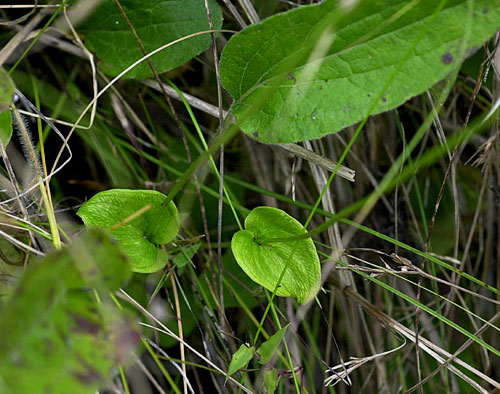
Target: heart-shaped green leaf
157,22
264,263
140,236
316,69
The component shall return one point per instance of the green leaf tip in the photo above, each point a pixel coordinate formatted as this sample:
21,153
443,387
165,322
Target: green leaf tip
317,69
137,235
5,127
267,349
264,263
240,359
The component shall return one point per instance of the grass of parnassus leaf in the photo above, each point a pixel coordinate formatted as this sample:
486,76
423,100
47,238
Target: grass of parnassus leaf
383,277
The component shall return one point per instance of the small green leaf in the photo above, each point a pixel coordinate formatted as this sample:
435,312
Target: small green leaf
5,127
185,256
157,22
316,69
270,380
56,338
267,349
7,88
140,236
240,359
264,263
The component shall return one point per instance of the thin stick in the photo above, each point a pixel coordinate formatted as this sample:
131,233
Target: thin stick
222,317
113,81
20,36
323,162
15,185
25,16
179,326
235,13
166,330
136,214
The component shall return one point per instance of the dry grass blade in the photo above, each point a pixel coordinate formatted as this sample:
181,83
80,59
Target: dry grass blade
450,359
148,374
323,162
176,366
55,169
20,36
25,16
354,364
167,331
427,346
21,245
115,79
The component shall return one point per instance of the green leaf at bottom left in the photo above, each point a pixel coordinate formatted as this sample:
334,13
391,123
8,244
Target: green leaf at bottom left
7,89
5,127
55,337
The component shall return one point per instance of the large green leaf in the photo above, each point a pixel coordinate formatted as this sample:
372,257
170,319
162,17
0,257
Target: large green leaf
264,263
316,69
157,22
56,338
140,236
5,127
7,88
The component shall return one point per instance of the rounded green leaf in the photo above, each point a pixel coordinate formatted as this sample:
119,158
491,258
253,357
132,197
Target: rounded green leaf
157,22
264,263
140,236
